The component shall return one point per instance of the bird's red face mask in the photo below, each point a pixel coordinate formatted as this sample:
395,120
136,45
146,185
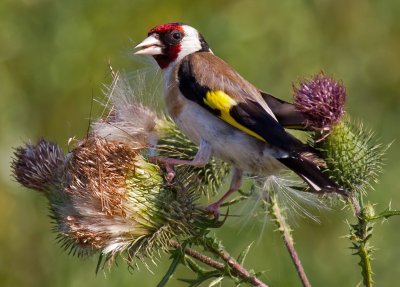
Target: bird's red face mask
164,43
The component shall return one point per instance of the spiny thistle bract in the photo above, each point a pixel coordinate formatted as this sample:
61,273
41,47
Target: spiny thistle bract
172,143
353,158
41,177
110,198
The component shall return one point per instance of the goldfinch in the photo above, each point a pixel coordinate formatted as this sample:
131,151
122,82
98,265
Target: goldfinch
225,115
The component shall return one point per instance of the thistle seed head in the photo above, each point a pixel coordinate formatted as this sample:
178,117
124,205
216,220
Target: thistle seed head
111,199
128,120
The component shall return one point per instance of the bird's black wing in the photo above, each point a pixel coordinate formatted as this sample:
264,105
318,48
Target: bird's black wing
211,83
286,113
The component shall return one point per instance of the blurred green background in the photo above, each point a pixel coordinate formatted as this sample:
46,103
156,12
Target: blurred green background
53,59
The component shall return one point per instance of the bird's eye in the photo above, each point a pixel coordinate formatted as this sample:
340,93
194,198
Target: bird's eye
173,37
177,35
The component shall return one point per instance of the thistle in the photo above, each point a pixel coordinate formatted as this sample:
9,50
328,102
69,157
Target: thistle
44,176
127,120
353,159
108,198
321,100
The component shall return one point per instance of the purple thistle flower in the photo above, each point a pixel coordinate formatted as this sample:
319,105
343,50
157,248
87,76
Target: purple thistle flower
321,100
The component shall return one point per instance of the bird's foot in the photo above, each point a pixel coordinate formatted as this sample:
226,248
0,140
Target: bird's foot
213,209
170,172
169,167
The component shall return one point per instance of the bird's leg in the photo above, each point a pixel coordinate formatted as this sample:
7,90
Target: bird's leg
200,159
236,182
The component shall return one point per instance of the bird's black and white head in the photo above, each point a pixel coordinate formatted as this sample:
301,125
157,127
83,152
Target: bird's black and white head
169,43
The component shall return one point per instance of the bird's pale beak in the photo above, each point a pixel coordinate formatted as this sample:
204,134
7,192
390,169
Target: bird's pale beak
150,46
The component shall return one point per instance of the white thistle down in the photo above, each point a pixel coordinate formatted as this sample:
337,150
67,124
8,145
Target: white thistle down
128,120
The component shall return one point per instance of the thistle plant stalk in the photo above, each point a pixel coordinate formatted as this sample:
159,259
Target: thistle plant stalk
284,229
360,233
215,247
235,267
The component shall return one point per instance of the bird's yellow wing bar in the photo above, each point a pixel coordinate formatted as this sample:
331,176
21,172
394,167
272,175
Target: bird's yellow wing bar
222,102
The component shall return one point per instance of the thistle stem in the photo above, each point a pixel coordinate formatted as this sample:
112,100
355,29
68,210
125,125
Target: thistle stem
285,232
360,234
235,267
355,203
366,265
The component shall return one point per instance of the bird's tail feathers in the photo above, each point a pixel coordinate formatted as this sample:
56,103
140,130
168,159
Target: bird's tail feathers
311,157
308,167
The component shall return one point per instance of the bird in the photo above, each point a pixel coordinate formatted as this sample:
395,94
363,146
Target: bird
227,116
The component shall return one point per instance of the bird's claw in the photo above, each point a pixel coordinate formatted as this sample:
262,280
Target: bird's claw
168,167
213,210
170,176
170,172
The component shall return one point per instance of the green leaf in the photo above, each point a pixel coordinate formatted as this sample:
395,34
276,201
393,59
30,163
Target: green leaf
100,260
177,258
192,265
386,214
216,281
243,254
204,277
235,200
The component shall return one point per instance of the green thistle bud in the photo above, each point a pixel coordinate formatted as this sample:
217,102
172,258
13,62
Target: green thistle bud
173,144
352,159
369,211
111,199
